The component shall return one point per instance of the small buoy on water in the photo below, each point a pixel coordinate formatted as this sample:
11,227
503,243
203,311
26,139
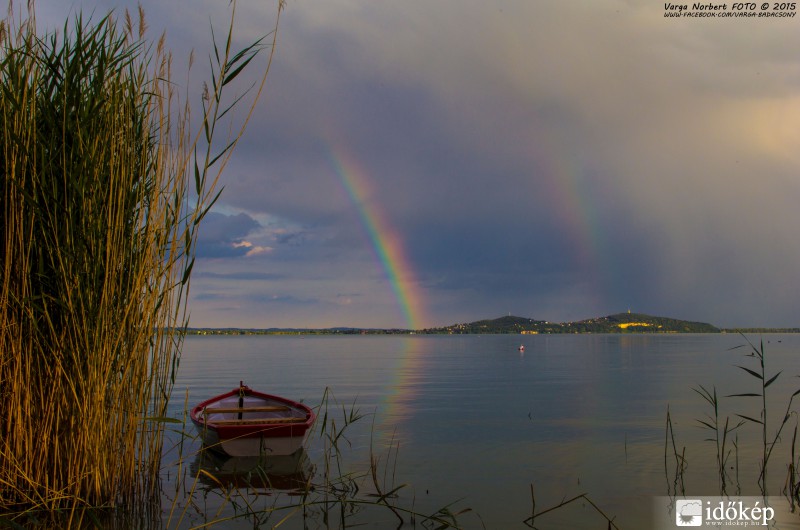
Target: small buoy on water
521,347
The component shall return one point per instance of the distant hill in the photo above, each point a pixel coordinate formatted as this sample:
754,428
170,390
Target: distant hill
618,323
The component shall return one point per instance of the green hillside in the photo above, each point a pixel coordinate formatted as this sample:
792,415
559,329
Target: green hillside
618,323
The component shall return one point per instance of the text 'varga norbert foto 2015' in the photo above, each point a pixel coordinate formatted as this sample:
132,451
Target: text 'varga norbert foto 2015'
731,10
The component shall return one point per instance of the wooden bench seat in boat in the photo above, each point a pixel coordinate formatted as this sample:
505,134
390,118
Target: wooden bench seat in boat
266,408
255,421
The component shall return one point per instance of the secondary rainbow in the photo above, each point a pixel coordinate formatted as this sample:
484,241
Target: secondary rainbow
387,244
565,178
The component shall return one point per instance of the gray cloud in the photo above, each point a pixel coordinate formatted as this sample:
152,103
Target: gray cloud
556,161
245,275
223,236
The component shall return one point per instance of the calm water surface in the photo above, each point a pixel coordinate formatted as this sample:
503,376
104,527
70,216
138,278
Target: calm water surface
479,424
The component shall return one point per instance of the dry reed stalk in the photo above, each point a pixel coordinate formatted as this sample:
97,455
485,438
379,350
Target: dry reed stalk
98,234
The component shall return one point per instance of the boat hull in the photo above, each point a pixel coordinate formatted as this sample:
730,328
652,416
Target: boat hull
253,444
244,422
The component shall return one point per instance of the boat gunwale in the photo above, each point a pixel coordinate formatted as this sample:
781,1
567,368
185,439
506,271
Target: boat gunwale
291,426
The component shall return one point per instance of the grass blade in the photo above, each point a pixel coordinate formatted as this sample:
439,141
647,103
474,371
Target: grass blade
751,372
772,380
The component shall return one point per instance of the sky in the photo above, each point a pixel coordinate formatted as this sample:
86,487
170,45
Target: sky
413,164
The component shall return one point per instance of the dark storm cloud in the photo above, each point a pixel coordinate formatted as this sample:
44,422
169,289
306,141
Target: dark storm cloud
222,236
242,275
555,160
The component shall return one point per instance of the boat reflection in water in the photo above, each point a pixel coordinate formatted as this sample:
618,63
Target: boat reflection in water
285,473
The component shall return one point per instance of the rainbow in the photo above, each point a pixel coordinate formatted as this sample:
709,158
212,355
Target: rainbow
403,389
390,252
565,178
387,244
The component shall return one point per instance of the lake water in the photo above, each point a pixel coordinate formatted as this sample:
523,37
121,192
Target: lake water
472,422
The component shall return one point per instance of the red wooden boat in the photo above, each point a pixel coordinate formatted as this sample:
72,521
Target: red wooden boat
244,422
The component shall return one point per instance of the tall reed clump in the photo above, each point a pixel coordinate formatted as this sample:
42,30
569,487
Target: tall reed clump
98,224
767,443
770,432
